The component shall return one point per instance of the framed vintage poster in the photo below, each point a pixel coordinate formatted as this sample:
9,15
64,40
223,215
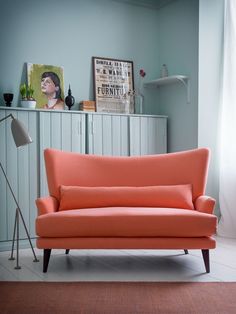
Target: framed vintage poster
113,81
48,84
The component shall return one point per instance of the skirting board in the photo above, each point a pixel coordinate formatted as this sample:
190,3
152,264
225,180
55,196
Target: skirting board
23,244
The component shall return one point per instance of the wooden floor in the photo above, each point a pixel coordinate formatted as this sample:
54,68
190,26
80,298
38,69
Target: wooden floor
124,265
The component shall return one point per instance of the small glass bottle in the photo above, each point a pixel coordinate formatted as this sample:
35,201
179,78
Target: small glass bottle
164,71
139,99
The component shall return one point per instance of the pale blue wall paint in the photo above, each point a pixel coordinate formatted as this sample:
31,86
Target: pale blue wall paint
178,48
211,22
68,33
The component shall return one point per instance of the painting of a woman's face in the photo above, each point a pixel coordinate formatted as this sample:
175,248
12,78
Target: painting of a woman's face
48,87
48,83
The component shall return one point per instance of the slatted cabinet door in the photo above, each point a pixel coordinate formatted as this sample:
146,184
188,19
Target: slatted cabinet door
20,165
108,134
148,135
65,131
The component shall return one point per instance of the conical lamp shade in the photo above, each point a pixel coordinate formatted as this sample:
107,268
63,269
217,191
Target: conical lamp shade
19,133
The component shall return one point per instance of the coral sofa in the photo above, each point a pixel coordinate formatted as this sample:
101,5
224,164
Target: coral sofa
144,202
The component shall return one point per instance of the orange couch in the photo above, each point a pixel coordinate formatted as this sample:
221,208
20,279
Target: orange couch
144,202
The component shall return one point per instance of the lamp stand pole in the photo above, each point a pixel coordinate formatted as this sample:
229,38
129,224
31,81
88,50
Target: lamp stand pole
18,215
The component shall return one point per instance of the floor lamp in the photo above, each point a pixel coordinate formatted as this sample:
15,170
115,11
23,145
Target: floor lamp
21,137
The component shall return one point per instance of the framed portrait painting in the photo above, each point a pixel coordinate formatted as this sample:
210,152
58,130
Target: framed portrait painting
48,84
113,80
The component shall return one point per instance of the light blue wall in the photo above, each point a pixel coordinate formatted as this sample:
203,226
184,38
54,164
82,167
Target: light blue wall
178,48
68,33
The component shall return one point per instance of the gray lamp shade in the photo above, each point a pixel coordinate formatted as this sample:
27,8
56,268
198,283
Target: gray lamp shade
19,133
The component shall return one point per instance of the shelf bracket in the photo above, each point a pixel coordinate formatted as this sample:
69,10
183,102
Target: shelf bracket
170,80
187,85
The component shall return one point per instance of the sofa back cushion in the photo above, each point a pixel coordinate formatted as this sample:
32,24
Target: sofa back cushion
74,169
76,197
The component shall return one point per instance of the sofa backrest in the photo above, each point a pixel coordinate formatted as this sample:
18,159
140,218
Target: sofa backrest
66,168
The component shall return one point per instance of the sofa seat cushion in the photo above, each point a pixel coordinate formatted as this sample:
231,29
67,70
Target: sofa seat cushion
126,222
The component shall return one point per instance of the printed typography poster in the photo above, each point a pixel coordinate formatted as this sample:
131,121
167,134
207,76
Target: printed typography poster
113,80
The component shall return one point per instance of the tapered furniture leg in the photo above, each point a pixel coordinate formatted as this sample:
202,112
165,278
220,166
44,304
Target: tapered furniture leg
67,251
46,257
206,258
186,251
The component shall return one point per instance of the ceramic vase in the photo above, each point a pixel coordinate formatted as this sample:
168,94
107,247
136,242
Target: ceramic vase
31,104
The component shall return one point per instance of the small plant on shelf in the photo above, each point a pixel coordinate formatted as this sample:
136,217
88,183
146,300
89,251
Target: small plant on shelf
136,96
30,93
23,91
27,93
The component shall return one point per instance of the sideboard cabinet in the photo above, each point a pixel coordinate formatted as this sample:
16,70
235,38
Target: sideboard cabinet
76,131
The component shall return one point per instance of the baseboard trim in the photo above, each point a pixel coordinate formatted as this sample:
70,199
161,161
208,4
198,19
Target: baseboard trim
23,244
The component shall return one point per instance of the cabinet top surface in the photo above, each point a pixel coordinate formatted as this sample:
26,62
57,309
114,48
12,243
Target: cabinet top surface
80,112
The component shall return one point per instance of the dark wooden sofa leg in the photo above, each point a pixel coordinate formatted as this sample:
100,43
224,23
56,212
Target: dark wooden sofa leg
67,251
46,257
206,258
186,251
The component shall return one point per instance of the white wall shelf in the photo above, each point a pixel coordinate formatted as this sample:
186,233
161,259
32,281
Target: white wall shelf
171,80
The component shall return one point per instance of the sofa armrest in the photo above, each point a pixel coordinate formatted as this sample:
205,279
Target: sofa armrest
46,205
205,204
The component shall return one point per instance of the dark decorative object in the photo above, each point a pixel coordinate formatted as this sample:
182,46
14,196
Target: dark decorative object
69,100
8,97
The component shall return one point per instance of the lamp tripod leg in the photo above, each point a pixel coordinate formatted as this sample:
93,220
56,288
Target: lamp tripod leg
16,227
22,218
11,258
17,239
